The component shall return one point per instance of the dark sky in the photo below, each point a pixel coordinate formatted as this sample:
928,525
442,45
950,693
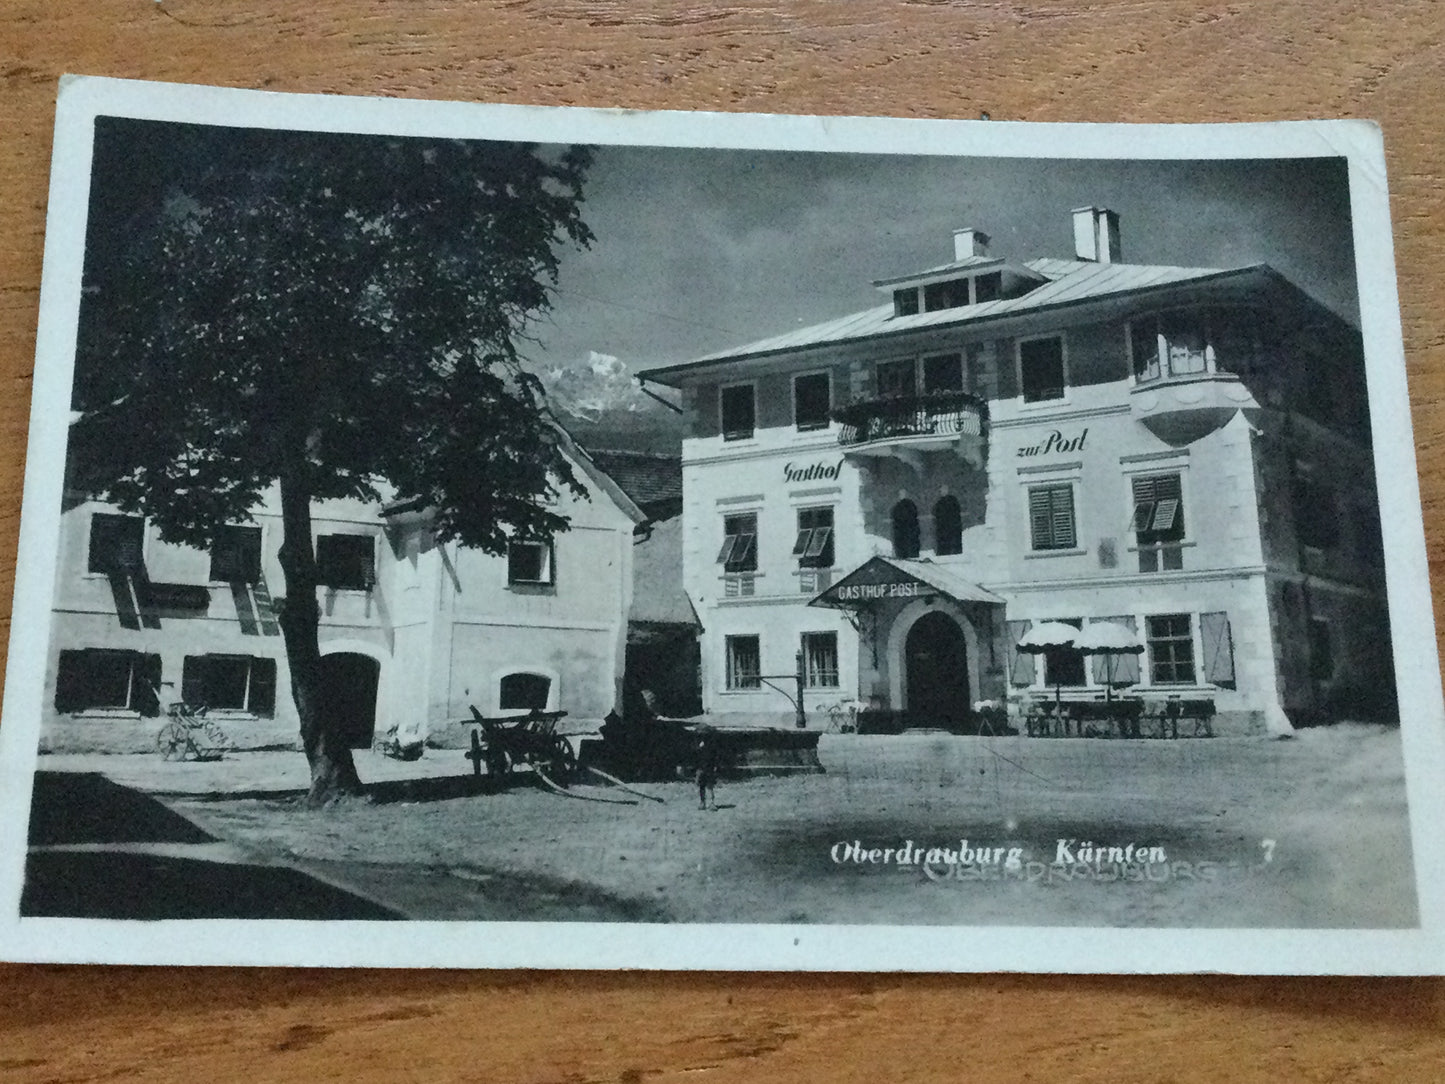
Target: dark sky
698,250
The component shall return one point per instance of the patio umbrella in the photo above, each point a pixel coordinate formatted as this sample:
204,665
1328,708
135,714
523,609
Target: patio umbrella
1047,636
1110,639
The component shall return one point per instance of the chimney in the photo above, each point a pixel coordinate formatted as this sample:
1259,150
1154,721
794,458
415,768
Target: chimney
1096,235
968,243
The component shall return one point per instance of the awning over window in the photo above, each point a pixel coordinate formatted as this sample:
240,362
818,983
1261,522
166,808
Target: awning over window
882,578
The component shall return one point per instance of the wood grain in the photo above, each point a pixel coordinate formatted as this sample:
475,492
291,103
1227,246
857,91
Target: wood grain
1131,60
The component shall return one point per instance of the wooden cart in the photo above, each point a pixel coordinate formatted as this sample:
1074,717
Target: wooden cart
503,742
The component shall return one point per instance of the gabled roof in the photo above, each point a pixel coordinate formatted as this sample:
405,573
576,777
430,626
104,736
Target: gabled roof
1069,282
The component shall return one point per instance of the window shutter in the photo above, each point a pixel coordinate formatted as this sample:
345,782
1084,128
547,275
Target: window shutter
1125,668
193,680
724,555
69,695
1063,516
818,543
1020,663
1218,648
1039,518
1164,513
145,686
263,687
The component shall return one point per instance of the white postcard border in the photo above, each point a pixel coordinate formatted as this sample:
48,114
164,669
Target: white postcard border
725,947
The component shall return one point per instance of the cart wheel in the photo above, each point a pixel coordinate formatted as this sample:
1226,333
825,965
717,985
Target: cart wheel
562,760
172,742
499,765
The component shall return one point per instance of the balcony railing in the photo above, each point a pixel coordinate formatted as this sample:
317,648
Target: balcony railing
946,417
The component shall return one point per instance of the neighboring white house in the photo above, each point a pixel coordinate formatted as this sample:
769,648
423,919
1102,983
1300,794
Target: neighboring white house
412,633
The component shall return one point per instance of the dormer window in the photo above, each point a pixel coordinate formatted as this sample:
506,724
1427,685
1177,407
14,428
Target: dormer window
952,294
988,287
905,302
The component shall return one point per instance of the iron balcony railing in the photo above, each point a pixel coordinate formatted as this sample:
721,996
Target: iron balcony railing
893,417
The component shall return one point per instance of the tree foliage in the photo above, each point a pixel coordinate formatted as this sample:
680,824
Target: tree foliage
354,300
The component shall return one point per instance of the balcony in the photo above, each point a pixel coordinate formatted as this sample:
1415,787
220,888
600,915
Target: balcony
1181,409
905,426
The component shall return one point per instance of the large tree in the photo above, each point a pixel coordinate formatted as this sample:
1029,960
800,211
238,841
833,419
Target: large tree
338,316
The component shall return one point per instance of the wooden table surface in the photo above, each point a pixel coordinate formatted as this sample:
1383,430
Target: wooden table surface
1062,60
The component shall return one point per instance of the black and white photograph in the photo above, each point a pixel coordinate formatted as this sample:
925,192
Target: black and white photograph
702,541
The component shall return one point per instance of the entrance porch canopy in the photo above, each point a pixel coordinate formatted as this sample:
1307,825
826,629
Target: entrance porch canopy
880,579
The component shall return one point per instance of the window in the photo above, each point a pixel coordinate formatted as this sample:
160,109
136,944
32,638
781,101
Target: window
236,555
230,682
905,529
1041,369
952,294
905,302
739,412
812,399
1171,649
814,545
947,527
820,660
1170,344
744,663
1065,667
1051,517
943,372
897,379
1158,522
346,562
117,543
98,678
1316,518
1322,656
530,563
739,551
524,692
988,287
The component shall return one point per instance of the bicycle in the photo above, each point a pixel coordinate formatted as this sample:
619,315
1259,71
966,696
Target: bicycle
189,735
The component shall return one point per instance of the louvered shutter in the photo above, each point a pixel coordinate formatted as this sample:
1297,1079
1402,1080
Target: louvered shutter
145,686
1040,519
1063,517
69,686
1020,663
1218,648
193,680
1125,668
263,687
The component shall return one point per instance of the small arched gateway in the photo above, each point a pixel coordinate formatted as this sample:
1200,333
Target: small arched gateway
350,680
935,672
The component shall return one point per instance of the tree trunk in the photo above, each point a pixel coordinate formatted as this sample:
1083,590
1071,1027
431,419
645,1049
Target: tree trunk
333,771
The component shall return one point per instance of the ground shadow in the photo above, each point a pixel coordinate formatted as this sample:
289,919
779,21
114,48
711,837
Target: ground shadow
124,885
86,807
422,789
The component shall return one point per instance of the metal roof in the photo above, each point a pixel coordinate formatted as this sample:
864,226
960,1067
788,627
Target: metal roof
940,577
1070,281
968,263
943,578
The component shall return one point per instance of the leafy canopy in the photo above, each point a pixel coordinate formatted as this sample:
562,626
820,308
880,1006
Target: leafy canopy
342,311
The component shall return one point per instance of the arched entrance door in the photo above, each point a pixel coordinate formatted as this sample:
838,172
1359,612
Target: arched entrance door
350,683
935,658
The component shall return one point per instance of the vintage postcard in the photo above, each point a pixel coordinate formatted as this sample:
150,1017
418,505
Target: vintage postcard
462,535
